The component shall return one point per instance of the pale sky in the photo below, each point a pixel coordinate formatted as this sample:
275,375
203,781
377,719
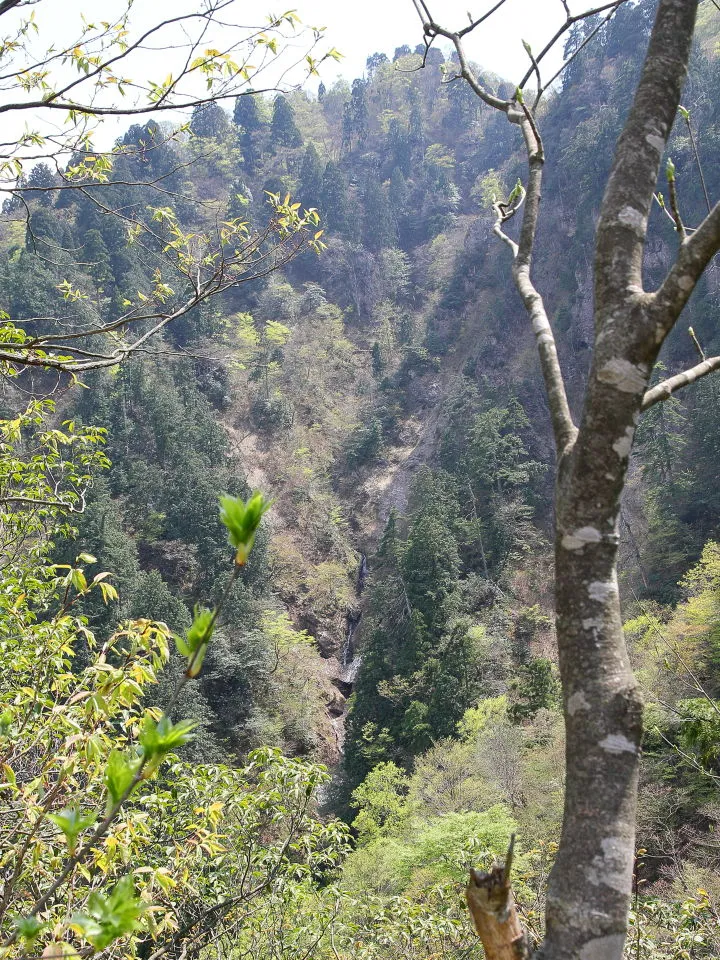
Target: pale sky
357,29
360,27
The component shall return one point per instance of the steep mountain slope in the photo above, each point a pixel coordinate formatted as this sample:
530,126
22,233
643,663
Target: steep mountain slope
334,383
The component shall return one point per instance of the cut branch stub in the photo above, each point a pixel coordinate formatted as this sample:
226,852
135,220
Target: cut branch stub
492,908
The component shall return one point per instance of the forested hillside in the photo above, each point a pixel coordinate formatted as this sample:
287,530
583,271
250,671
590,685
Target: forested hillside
392,616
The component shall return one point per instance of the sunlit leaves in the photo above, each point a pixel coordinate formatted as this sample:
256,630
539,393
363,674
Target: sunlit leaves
71,293
194,644
109,917
43,466
161,737
72,823
120,773
291,219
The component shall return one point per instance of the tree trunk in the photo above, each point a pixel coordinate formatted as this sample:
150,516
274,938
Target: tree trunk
590,884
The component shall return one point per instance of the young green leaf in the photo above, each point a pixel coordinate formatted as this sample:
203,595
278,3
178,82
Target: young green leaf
242,520
109,918
119,775
28,929
159,739
194,645
72,823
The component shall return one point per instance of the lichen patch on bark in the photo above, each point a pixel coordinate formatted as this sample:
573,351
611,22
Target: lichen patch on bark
623,375
618,743
604,948
579,538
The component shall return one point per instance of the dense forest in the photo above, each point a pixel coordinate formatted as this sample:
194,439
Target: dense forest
379,706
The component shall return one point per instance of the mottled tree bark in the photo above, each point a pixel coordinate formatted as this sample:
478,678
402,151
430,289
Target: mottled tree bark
590,884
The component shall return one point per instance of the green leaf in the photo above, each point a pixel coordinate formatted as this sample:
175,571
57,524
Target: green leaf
670,171
516,192
119,775
72,823
194,645
28,928
159,739
109,918
242,520
6,721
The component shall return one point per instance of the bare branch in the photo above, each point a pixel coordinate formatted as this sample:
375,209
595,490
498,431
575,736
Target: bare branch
696,343
564,429
432,29
505,212
65,505
564,29
686,117
492,907
7,5
694,255
590,37
486,16
674,205
625,209
536,69
663,391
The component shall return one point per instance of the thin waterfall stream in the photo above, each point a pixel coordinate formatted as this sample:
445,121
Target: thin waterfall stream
349,662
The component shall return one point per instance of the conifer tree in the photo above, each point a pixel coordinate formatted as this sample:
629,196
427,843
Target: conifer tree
284,130
311,177
209,120
246,114
379,227
335,204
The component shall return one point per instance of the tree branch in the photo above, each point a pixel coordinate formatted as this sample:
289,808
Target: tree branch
622,226
432,29
694,255
564,29
7,5
482,19
564,429
662,391
591,36
502,217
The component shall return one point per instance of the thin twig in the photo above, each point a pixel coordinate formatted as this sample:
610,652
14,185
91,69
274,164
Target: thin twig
686,116
675,208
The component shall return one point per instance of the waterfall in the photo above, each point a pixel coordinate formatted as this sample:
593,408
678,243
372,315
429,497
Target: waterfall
349,662
362,574
348,653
